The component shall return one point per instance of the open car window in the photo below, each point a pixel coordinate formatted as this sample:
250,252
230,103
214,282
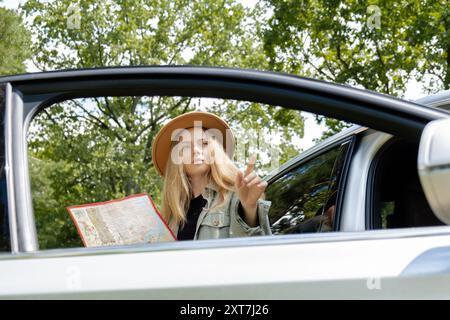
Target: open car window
90,150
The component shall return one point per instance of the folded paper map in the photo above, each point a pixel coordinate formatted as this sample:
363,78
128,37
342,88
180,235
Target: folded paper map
133,219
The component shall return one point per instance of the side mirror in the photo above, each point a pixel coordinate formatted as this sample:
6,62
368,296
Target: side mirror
434,167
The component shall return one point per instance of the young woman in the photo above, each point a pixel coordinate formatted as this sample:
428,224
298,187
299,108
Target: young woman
205,196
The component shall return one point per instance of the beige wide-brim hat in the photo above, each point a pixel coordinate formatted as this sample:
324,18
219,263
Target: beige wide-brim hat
162,142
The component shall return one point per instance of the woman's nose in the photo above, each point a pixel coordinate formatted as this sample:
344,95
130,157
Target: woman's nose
197,150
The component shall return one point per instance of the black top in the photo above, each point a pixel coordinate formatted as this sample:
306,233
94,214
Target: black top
195,207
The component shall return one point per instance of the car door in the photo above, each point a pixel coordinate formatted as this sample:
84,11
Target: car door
344,263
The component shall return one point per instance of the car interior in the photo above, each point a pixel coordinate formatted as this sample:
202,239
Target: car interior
398,200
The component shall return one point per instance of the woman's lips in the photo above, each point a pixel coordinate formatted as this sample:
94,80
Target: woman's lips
199,160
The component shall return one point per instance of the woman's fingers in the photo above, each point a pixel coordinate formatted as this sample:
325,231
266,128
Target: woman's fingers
250,165
262,184
239,179
250,177
253,182
258,182
253,179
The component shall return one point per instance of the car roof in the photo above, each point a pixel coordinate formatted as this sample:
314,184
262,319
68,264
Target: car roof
439,100
85,73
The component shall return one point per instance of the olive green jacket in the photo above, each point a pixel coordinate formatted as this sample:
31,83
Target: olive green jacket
225,221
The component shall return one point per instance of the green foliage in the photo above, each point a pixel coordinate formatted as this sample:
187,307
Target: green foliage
429,32
142,32
333,126
341,41
52,221
15,41
387,209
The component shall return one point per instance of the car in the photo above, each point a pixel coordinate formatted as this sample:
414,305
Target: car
362,214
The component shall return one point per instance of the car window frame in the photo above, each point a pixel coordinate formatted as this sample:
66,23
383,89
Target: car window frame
370,218
10,241
329,145
32,93
343,180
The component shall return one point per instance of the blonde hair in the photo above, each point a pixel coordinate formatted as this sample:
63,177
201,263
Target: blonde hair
177,188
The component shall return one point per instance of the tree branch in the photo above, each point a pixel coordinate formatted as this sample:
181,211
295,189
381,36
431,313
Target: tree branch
386,82
110,113
135,103
338,51
306,56
54,122
99,122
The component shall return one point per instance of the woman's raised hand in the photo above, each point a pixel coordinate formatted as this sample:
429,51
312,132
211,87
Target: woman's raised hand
249,186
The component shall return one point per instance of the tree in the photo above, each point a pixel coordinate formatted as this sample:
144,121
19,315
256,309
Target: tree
430,33
376,45
96,149
14,43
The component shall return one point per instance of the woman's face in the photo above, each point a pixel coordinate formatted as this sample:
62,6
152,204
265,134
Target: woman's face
195,152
